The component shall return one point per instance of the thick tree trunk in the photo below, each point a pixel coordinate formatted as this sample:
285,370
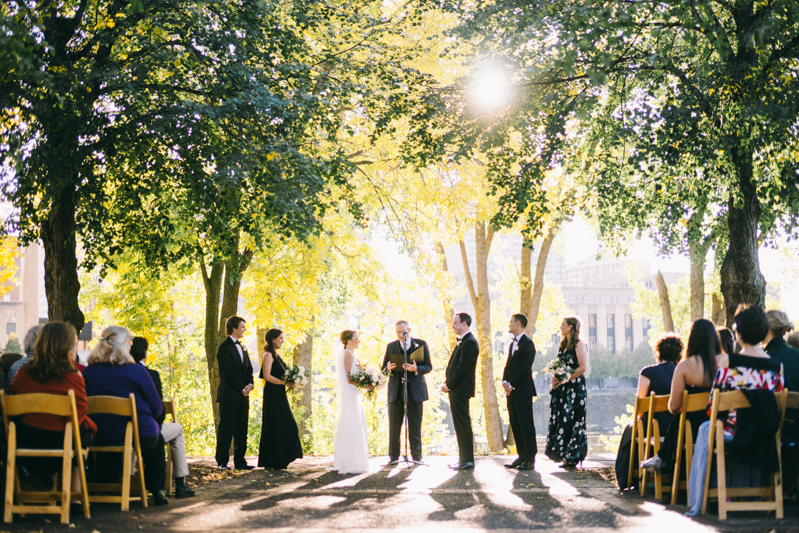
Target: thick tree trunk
741,279
61,284
665,304
213,287
303,356
717,314
482,301
538,282
526,281
447,301
697,255
234,272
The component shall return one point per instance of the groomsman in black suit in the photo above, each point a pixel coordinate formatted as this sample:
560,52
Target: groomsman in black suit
417,392
460,387
235,385
517,380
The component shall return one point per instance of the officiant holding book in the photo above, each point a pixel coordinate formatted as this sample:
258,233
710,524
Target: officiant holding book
417,355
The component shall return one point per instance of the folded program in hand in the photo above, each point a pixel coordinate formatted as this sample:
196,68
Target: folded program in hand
416,356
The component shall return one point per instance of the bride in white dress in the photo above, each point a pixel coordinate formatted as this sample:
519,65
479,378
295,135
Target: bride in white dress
351,452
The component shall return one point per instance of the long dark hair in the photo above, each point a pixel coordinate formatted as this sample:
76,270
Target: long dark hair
269,339
703,342
567,343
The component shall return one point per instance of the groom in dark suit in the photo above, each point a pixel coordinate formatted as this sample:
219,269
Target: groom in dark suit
517,380
460,386
235,385
417,392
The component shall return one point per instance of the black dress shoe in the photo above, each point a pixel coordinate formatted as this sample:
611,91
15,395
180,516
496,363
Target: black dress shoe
392,462
526,466
514,464
244,467
159,498
463,466
183,492
223,467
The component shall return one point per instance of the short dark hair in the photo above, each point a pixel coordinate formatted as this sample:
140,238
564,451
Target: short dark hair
138,348
669,348
521,318
233,323
751,323
464,317
793,340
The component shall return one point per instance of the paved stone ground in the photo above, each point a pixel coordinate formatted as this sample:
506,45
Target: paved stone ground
309,498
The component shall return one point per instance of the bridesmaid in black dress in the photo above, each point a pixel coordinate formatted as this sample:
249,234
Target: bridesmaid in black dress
280,438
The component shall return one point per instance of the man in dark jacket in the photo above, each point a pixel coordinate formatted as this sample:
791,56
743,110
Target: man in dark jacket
517,380
460,387
417,391
235,385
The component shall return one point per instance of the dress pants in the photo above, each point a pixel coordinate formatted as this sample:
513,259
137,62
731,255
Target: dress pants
233,420
463,427
520,413
173,435
395,419
154,457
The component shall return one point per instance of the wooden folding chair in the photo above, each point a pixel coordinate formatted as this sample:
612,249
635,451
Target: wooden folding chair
641,407
121,407
657,404
52,404
171,409
724,401
685,440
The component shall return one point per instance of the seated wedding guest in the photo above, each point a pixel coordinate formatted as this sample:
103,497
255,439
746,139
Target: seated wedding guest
726,339
51,371
750,369
657,379
170,431
778,349
695,374
27,347
7,361
113,372
793,340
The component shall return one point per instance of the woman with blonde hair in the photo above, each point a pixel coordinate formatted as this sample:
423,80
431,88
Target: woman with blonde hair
567,439
113,372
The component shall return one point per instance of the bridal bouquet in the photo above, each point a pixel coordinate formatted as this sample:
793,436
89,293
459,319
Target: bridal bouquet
369,377
558,369
297,375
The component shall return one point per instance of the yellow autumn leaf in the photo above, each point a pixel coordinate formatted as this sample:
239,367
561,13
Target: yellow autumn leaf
110,24
271,155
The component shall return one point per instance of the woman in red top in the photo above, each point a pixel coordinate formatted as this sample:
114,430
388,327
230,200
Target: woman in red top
52,371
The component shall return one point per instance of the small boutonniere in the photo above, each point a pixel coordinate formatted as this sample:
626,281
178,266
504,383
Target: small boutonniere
458,343
515,348
415,345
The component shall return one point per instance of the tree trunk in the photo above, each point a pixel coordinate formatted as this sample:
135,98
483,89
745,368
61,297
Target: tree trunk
234,272
717,314
447,301
665,304
61,284
697,254
526,281
538,283
213,288
741,279
303,356
482,305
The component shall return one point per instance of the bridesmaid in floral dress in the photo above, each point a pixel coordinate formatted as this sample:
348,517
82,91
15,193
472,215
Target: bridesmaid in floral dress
567,440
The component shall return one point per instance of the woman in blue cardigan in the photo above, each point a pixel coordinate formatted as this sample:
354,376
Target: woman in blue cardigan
113,372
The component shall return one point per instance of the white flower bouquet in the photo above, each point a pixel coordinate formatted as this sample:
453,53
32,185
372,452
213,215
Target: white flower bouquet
369,377
559,370
297,375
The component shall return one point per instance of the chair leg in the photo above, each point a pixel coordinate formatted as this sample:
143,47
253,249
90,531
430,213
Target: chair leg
11,469
777,478
721,473
66,474
126,475
711,435
675,483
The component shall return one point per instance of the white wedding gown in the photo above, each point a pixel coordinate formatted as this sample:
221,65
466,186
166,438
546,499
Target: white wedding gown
351,451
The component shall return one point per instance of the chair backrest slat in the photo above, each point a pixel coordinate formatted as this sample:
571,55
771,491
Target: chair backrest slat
38,402
112,405
732,400
661,403
792,401
696,402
